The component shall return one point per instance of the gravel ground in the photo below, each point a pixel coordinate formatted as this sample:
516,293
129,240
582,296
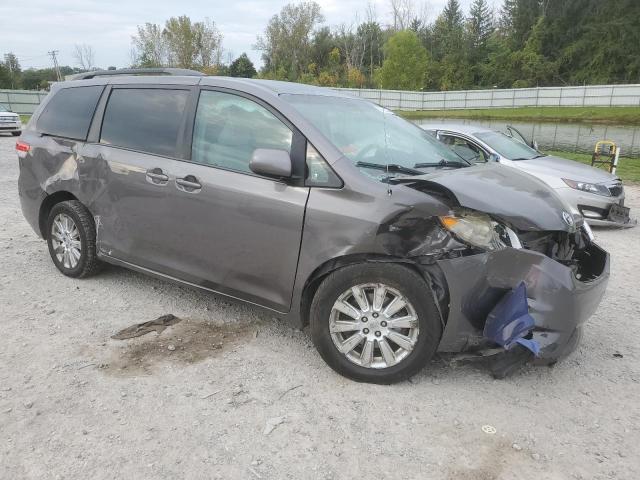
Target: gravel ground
230,392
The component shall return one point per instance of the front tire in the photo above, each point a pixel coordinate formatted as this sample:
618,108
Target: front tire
16,134
71,236
375,322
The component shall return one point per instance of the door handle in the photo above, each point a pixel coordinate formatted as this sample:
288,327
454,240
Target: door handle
156,177
188,183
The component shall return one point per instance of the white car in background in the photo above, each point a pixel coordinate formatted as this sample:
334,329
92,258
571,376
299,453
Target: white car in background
10,122
592,192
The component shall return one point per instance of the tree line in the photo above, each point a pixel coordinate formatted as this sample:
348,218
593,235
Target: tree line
524,43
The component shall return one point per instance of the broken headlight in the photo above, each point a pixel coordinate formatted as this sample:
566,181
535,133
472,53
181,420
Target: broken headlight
588,187
480,230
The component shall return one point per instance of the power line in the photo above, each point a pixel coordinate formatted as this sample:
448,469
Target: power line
53,54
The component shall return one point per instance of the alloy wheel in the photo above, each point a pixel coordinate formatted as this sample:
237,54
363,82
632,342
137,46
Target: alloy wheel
66,242
374,325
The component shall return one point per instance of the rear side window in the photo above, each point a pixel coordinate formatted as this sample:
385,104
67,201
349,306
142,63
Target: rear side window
68,114
147,120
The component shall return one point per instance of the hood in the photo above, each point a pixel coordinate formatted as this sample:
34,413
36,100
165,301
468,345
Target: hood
506,193
563,168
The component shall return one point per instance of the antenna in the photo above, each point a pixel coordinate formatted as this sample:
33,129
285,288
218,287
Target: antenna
53,54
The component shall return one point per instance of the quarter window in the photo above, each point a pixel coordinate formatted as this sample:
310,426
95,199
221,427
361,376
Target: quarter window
68,114
147,120
319,173
228,128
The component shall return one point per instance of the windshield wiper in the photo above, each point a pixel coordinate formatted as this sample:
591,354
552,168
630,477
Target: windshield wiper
390,167
442,163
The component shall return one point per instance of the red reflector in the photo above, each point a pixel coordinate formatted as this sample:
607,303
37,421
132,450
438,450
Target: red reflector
22,147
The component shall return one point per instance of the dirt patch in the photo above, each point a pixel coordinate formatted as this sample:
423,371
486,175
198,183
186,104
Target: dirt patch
186,342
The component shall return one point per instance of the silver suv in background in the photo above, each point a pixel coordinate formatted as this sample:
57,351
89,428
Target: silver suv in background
330,211
10,122
592,192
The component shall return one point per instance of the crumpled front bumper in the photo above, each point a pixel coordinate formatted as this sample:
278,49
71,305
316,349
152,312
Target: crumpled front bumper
558,301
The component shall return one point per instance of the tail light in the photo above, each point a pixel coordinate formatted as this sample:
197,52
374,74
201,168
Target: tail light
22,148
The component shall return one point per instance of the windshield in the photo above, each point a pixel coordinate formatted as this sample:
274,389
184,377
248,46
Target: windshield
508,147
3,109
358,129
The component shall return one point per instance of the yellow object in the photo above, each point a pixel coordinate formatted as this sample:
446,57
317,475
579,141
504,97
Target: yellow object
605,147
449,222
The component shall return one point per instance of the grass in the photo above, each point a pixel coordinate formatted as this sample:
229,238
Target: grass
628,168
25,118
613,115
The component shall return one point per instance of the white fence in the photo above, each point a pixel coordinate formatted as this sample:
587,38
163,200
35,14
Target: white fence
588,96
23,102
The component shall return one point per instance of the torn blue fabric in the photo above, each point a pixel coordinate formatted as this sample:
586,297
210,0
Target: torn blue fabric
509,321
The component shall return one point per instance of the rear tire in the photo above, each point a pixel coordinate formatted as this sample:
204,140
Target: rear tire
377,358
16,134
71,236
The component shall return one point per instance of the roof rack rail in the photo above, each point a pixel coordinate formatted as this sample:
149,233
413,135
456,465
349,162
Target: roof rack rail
138,71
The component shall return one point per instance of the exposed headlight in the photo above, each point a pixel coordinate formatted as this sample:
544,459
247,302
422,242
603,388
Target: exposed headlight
480,230
588,187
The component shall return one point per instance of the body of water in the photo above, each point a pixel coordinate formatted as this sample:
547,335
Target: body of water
567,137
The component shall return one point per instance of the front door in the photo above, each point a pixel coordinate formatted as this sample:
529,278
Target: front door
226,228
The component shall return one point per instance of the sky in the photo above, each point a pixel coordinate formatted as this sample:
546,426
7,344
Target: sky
31,28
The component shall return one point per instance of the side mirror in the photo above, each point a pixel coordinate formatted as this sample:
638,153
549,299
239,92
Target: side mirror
494,157
271,162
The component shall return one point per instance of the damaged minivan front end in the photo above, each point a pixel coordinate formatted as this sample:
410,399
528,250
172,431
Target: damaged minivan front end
531,274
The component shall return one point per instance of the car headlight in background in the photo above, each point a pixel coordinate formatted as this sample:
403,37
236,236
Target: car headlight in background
480,230
588,187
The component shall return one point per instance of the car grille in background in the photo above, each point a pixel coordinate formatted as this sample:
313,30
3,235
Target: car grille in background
8,119
615,189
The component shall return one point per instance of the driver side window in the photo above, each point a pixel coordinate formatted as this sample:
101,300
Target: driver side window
464,148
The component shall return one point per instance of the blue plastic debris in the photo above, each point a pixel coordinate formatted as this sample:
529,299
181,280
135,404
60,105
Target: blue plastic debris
509,321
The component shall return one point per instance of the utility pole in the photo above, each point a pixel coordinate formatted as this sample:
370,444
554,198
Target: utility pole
53,54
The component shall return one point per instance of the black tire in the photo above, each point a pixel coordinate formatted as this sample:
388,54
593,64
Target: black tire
16,134
88,263
411,285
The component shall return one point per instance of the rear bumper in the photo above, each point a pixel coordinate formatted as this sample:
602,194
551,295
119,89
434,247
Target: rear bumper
558,301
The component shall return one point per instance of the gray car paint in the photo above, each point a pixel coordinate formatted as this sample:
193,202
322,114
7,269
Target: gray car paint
522,200
297,235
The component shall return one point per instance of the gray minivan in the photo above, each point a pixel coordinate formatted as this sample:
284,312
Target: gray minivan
325,209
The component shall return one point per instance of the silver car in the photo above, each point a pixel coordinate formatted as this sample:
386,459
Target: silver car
10,122
323,209
592,192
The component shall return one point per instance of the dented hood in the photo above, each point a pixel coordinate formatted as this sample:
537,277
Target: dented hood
506,193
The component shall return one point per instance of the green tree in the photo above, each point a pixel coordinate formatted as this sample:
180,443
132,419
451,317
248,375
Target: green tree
10,72
181,43
405,62
242,67
286,42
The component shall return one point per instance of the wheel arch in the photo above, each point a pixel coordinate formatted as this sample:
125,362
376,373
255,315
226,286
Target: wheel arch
431,273
47,204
